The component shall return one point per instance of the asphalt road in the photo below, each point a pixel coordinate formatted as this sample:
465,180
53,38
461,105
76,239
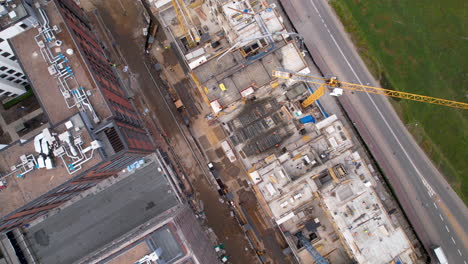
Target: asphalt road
435,211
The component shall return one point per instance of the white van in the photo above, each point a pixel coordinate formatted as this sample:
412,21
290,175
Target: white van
440,255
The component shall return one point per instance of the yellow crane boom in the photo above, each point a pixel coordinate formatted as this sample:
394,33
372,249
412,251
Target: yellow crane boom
183,16
334,83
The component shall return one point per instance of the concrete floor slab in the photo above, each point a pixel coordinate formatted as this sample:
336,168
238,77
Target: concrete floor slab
230,95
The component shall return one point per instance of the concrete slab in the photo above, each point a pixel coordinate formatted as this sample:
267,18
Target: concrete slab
271,62
46,86
36,182
259,74
211,154
243,79
214,67
219,133
204,142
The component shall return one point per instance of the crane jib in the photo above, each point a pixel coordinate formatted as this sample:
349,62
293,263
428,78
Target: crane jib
333,82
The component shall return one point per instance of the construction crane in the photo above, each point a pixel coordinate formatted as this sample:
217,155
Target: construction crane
311,249
338,87
186,23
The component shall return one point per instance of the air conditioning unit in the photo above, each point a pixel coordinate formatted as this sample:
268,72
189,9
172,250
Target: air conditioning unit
49,164
96,144
12,14
52,70
78,141
66,94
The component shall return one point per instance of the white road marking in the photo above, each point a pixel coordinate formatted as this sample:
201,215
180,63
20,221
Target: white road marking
453,240
435,205
430,190
448,230
425,183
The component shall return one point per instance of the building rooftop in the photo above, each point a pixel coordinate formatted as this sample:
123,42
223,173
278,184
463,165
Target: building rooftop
326,169
242,20
19,166
365,225
144,195
43,76
164,241
11,12
238,74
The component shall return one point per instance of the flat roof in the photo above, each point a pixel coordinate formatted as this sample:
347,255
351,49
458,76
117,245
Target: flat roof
288,181
14,12
238,74
45,85
37,182
133,254
363,221
98,219
168,243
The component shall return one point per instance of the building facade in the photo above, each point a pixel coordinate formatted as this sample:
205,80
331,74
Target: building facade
86,106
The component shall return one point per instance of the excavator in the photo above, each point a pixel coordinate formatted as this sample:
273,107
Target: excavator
338,86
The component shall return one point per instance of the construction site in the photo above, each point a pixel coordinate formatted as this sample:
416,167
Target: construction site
321,179
216,114
312,181
67,186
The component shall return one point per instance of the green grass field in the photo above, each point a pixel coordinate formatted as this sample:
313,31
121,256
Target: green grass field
420,47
